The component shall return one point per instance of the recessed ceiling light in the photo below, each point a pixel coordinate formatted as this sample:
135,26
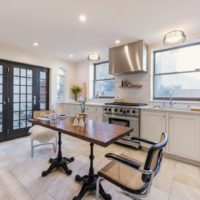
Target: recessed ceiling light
117,41
35,44
71,55
82,18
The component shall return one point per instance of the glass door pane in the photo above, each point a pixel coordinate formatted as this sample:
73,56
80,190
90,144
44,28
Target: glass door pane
43,90
22,97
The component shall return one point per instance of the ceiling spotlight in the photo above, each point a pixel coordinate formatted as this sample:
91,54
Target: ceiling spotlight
174,37
117,41
93,56
71,55
35,44
82,18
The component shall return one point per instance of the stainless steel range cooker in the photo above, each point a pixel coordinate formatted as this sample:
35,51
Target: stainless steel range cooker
125,114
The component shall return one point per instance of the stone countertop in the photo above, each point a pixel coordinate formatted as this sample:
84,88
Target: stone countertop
87,103
180,110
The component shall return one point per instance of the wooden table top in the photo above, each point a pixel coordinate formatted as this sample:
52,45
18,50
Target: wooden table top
99,133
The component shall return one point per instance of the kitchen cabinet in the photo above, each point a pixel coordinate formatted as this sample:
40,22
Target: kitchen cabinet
93,112
152,124
184,135
183,131
69,109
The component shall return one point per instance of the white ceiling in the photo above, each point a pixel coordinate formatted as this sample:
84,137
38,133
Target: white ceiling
55,26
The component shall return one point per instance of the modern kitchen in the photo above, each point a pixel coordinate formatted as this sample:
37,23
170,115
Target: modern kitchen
100,102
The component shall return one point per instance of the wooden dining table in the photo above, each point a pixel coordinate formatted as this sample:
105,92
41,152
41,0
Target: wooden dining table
99,133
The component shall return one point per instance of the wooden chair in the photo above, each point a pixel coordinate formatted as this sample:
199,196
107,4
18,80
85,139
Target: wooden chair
132,176
41,134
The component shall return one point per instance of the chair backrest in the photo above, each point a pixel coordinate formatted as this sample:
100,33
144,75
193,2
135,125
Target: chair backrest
41,113
155,156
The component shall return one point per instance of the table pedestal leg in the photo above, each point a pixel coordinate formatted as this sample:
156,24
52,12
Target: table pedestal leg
59,162
89,181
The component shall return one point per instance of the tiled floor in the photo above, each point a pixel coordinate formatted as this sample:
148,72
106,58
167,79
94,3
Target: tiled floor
176,180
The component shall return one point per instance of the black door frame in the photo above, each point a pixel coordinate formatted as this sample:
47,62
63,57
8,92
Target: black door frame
8,66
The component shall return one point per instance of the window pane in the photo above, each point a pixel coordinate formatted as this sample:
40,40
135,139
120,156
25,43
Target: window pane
16,98
23,72
29,98
23,81
15,124
22,123
1,89
43,90
23,89
16,71
29,89
177,60
16,80
29,106
43,75
16,89
29,73
23,98
16,107
184,85
43,83
102,71
105,88
43,105
1,69
60,88
1,79
29,81
16,116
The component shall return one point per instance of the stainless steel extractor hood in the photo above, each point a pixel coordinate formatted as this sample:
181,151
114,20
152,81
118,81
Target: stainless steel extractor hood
129,58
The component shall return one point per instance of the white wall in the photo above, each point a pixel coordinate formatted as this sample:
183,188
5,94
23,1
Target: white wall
13,53
140,95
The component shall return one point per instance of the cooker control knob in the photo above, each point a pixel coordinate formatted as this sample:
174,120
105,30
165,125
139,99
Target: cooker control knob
109,109
105,109
120,110
124,112
127,111
133,111
115,110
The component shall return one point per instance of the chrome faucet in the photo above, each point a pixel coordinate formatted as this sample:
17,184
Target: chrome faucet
170,98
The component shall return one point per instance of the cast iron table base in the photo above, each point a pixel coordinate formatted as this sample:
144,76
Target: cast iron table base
89,181
59,162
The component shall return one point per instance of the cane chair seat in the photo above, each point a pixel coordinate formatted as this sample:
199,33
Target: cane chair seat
122,174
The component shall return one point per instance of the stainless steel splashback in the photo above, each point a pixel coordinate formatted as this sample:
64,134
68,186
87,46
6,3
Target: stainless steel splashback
130,58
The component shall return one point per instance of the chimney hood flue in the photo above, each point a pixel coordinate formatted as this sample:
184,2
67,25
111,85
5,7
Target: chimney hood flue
129,58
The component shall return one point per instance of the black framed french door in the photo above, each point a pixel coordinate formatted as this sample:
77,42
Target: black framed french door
24,90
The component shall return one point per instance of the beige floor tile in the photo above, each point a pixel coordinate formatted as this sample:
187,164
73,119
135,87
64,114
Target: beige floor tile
180,191
175,181
187,174
164,178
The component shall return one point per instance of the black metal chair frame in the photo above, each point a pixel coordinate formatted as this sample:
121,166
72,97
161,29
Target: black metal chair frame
147,173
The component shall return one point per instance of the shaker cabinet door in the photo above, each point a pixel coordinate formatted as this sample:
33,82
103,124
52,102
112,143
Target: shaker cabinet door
152,124
184,135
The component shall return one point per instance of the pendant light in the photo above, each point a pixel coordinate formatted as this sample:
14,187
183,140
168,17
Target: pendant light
174,37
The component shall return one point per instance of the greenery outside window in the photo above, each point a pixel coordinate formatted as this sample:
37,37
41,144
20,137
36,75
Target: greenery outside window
177,71
103,81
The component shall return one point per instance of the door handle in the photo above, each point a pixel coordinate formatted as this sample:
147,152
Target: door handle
34,100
